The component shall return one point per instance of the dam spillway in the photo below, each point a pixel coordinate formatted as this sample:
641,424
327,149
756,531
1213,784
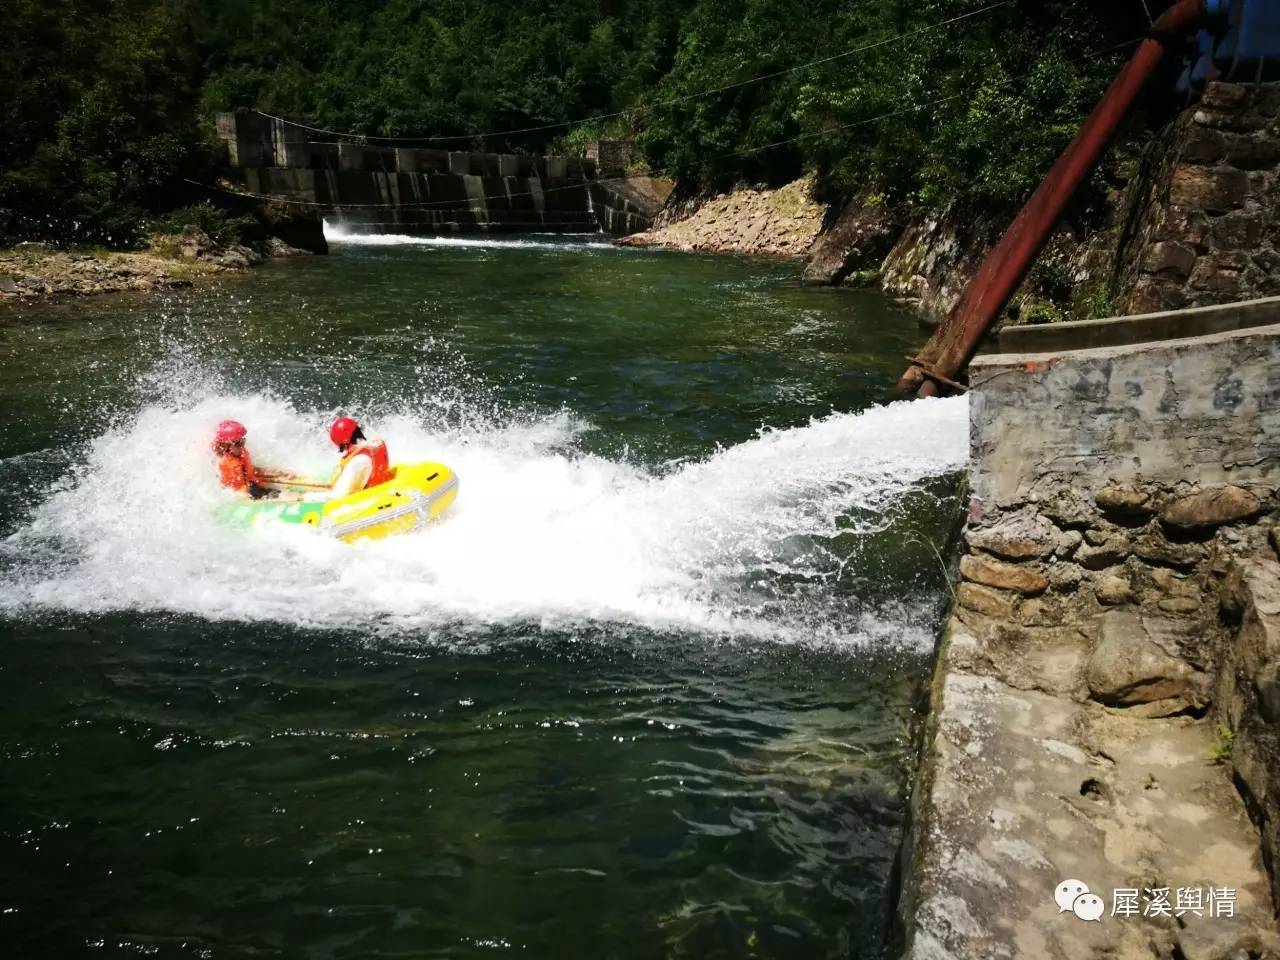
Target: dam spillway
375,188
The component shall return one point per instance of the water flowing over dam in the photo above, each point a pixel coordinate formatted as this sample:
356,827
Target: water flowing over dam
383,189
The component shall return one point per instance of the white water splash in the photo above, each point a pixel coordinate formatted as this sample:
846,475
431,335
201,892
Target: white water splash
569,243
541,532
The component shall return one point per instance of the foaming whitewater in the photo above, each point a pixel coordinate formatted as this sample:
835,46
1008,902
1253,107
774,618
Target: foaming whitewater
542,532
575,243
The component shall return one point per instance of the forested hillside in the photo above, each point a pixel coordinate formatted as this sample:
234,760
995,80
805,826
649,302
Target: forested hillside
106,104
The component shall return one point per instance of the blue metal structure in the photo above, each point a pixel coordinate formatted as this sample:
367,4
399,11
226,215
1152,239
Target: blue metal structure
1241,44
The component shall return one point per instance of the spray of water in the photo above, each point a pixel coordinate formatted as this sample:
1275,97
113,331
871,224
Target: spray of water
542,532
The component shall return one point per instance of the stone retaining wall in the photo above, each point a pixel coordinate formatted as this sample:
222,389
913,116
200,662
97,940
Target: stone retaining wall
1212,234
1105,697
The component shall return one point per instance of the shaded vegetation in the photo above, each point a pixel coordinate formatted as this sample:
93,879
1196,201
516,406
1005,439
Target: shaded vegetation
219,225
108,104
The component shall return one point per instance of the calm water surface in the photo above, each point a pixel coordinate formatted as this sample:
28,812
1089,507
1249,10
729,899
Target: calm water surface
645,693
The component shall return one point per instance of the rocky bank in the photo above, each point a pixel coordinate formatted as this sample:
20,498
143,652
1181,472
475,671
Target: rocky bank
1191,220
781,223
33,271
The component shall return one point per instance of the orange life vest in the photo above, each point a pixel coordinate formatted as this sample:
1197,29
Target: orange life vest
376,450
235,470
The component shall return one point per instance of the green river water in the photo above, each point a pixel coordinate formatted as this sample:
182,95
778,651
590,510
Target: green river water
646,691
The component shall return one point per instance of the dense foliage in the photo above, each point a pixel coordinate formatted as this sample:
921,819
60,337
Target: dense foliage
107,104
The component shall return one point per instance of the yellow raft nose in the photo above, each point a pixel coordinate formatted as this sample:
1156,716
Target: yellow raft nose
416,494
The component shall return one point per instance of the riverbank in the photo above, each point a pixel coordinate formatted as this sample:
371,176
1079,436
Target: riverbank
1187,219
31,272
778,223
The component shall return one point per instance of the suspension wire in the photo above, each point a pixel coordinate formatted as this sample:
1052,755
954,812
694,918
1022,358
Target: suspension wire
748,151
350,135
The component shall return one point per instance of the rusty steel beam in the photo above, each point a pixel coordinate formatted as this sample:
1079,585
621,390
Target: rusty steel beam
956,340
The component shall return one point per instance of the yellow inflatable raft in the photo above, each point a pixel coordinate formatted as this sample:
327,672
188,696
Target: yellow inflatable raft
416,494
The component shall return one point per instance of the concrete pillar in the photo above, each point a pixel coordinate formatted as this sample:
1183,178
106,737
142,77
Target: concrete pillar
459,163
476,197
324,155
407,160
557,168
295,154
288,144
433,161
508,165
248,138
350,156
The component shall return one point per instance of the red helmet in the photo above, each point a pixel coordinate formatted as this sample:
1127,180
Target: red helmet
229,431
342,430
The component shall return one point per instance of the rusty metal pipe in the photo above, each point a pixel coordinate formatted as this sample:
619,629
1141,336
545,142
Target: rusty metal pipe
956,340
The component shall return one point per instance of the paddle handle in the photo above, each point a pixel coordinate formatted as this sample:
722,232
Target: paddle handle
269,478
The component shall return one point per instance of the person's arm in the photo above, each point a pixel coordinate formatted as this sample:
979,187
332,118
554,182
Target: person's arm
353,478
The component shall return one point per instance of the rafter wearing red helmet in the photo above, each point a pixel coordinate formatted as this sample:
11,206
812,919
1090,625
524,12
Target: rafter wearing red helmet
235,467
364,461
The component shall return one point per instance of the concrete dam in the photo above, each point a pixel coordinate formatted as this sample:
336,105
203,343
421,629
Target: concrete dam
388,189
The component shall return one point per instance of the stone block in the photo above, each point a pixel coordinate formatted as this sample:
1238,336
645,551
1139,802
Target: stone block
1179,606
1113,590
1259,637
1003,576
1224,96
1261,183
1169,258
1172,584
1266,686
1266,260
1041,611
1212,507
1128,669
1155,549
1239,230
1113,550
1245,120
1067,508
1213,189
1022,535
1152,296
984,600
1253,151
1065,577
1264,98
1125,501
1188,226
1204,145
1219,275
